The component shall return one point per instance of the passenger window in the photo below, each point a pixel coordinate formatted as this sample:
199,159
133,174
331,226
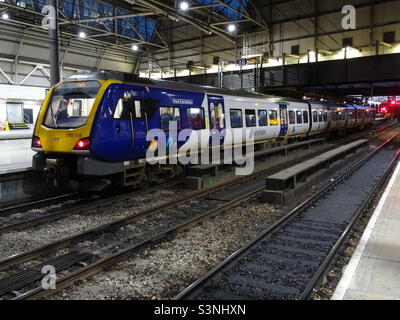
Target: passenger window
236,118
251,118
196,118
315,116
168,114
292,117
305,116
320,117
262,118
273,117
299,117
217,116
325,116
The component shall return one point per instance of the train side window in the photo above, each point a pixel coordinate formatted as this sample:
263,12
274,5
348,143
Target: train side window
315,116
292,117
169,114
196,118
299,117
325,116
250,118
320,117
305,116
262,118
273,117
236,118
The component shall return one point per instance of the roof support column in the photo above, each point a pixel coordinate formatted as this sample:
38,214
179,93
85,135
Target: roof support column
54,52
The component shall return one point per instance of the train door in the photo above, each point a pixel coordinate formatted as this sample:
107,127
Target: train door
283,116
216,112
130,122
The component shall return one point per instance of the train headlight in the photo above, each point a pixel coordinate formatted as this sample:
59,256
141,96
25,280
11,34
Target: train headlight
82,144
36,143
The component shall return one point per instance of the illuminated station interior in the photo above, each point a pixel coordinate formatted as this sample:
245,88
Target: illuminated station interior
199,150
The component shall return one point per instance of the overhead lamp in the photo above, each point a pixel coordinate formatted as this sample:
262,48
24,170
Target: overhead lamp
5,16
231,28
184,5
82,34
135,47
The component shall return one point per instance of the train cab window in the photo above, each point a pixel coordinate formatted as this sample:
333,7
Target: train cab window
325,116
292,117
119,109
236,118
122,112
305,116
299,117
169,114
262,118
250,118
71,104
320,116
315,116
273,117
196,118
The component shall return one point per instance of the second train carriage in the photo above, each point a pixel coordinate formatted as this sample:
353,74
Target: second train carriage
95,124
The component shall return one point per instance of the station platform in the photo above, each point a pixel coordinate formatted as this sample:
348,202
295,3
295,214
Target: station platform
373,272
16,134
15,155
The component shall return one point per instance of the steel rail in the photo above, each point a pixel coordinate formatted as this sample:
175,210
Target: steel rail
122,222
328,259
9,210
24,256
198,284
115,258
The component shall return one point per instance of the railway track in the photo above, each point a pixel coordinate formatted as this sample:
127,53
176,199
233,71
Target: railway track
84,254
11,222
82,206
288,259
173,217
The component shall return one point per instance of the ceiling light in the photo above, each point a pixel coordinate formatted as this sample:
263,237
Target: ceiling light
231,28
135,47
5,16
82,34
184,5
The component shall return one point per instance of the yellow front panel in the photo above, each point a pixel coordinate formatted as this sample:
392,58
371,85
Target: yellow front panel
64,140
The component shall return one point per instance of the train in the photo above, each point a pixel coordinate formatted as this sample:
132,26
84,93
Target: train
92,128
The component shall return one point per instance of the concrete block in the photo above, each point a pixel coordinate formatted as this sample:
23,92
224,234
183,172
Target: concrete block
274,197
193,183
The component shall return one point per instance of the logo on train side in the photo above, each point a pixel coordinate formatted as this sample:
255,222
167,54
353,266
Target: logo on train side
182,101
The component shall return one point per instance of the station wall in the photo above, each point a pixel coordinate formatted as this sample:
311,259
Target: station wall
30,98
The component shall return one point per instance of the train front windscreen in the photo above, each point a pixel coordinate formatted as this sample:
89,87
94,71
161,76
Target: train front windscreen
71,104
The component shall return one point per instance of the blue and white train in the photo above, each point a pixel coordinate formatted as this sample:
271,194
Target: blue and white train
93,126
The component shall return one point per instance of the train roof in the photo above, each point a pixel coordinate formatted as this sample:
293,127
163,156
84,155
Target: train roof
173,85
